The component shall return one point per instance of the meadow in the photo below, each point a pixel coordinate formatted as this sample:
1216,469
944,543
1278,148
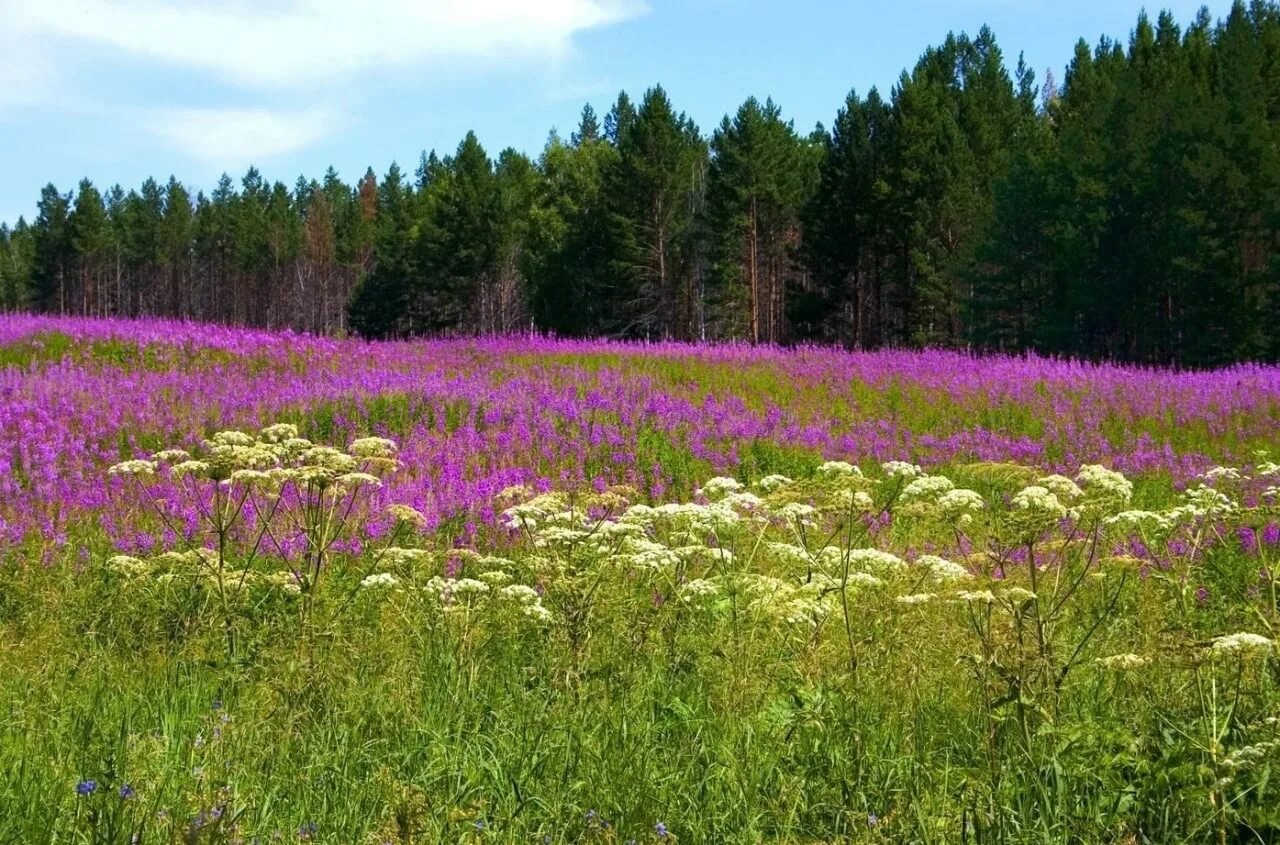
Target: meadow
268,587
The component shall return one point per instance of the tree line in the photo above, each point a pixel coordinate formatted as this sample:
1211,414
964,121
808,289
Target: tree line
1129,213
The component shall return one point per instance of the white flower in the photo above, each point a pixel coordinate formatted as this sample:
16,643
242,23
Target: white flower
373,447
901,469
1017,595
943,570
876,560
1220,472
719,487
171,456
639,515
646,554
1059,485
558,535
839,469
1249,754
864,579
742,501
789,554
1104,487
1205,502
927,487
797,513
955,504
1123,662
231,438
405,558
130,567
1143,521
496,577
698,590
381,580
977,596
858,500
450,591
1242,643
1038,501
537,613
917,598
135,467
407,515
285,580
251,478
613,531
519,593
358,479
279,433
1267,469
197,469
772,483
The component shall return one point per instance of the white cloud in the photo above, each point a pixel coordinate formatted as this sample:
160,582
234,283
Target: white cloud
299,43
249,135
306,48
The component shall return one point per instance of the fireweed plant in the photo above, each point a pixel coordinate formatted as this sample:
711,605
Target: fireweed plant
600,593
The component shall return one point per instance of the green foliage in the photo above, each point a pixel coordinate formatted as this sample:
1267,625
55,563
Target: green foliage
613,672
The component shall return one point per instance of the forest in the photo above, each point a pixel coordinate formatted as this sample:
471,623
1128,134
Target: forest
1128,212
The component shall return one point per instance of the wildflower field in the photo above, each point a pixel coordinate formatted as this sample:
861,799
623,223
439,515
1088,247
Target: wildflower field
263,587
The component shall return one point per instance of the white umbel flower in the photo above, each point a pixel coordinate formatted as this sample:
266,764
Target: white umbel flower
1242,643
379,581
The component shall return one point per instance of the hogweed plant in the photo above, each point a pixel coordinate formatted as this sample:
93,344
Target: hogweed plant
274,496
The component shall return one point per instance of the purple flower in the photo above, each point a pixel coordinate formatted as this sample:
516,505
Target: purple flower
86,787
872,820
661,829
126,792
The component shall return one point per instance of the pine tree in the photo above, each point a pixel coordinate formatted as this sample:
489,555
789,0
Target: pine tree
754,195
846,241
588,128
619,119
175,250
656,193
380,303
91,243
53,258
573,240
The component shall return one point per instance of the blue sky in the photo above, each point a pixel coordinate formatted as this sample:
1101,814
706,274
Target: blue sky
117,90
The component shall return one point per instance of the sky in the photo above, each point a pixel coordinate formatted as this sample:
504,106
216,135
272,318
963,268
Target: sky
119,90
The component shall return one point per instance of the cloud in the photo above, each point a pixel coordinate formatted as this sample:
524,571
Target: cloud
282,44
250,135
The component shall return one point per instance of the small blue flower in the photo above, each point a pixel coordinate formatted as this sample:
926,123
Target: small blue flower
872,820
126,792
660,829
86,787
